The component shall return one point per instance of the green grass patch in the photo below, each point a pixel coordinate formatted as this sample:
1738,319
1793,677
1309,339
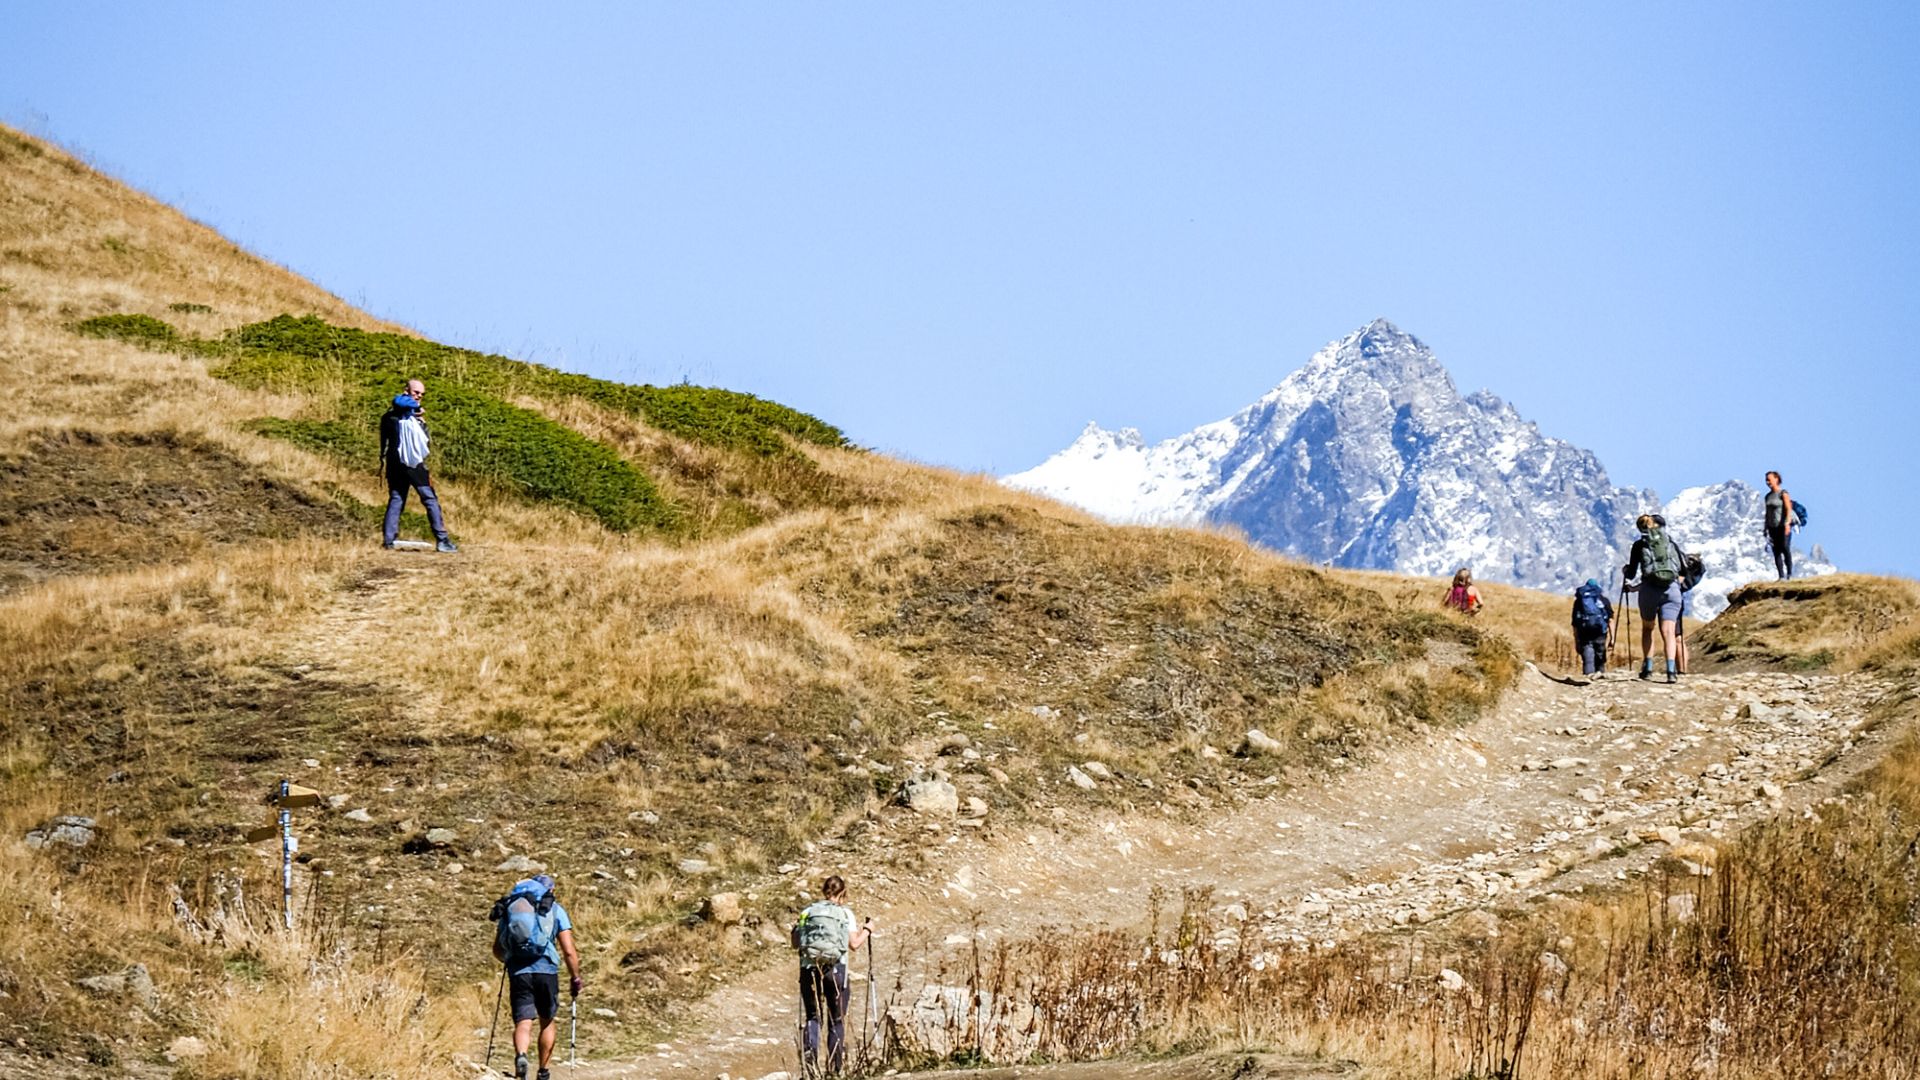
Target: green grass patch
139,329
478,433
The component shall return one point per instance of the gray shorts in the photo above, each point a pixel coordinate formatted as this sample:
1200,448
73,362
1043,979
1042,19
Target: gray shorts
1658,603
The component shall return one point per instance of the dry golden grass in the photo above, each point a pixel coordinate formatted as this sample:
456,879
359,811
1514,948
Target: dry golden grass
1538,624
1840,621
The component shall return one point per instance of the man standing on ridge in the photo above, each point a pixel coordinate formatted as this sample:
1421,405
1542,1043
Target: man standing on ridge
1657,562
1780,526
403,451
533,934
824,936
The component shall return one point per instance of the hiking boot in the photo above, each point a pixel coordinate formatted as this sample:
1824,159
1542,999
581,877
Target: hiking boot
388,544
522,1068
1646,673
1672,676
445,545
545,1074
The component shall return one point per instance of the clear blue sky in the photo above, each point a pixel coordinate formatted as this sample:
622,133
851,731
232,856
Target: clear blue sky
1686,236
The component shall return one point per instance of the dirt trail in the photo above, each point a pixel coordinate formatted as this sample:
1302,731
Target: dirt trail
1560,788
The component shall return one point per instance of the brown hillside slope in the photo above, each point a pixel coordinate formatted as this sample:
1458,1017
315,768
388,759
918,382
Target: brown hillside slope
1835,622
653,719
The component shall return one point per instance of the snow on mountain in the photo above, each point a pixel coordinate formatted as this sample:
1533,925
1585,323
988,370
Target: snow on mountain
1369,457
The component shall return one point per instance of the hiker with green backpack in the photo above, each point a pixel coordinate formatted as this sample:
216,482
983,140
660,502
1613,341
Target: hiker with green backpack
532,934
823,937
1655,568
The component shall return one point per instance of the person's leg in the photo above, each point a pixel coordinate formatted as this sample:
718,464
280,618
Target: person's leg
432,503
810,1007
1589,655
396,501
1667,644
836,988
1786,555
549,1034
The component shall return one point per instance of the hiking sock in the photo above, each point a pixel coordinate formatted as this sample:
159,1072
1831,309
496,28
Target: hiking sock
1646,669
1673,673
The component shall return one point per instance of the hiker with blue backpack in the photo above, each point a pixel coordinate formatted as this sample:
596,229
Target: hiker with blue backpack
532,935
823,937
1592,616
1654,569
403,455
1783,514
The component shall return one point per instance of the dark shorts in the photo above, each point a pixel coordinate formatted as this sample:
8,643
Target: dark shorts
401,477
535,996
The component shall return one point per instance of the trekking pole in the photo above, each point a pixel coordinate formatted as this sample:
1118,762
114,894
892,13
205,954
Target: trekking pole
871,1020
494,1027
573,1029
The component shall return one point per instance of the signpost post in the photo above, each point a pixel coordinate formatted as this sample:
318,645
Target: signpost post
286,795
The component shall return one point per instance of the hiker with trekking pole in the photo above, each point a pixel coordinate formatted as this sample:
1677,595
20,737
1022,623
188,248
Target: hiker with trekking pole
1654,568
532,935
823,937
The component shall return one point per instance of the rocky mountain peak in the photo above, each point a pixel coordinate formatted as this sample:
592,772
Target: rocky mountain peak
1369,457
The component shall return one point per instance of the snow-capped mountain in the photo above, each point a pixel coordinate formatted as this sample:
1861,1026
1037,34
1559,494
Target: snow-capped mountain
1369,457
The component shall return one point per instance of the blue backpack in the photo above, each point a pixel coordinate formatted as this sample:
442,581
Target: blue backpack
1589,612
1799,514
523,923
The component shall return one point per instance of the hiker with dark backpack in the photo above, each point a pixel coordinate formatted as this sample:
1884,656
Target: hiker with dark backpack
532,934
403,456
823,937
1592,616
1654,568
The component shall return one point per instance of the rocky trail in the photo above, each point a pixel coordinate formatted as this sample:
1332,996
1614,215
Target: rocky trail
1562,788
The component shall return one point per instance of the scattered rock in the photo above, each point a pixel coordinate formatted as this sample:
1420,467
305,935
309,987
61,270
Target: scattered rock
1259,742
359,813
998,775
1097,770
787,868
442,837
1080,780
1770,790
722,908
1479,925
1567,763
134,982
1668,835
186,1046
693,867
456,868
1451,981
644,817
335,802
605,1013
930,796
67,830
1681,907
952,743
520,864
976,806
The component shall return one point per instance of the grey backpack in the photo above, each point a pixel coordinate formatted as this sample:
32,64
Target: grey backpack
823,934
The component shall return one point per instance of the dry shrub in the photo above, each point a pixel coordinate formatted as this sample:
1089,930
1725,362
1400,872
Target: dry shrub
1799,957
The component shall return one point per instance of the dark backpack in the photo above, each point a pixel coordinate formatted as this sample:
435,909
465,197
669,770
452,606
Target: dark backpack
1799,514
1660,558
1692,569
523,925
1589,611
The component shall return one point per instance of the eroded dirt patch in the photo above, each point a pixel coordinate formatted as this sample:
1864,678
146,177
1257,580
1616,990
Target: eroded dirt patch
76,502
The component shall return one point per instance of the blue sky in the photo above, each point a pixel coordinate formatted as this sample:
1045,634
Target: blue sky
1684,236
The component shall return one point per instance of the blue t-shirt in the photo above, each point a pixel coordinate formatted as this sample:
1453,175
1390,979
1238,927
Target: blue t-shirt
550,963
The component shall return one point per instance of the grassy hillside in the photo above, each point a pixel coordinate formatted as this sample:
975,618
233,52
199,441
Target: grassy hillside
1836,622
693,637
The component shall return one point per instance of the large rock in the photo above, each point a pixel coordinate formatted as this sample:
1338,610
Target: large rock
520,864
722,908
133,982
1080,780
932,797
67,830
1259,742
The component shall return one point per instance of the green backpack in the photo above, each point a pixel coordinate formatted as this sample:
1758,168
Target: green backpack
1660,558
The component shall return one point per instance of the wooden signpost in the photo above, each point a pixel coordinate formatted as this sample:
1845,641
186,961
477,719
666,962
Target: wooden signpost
288,796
